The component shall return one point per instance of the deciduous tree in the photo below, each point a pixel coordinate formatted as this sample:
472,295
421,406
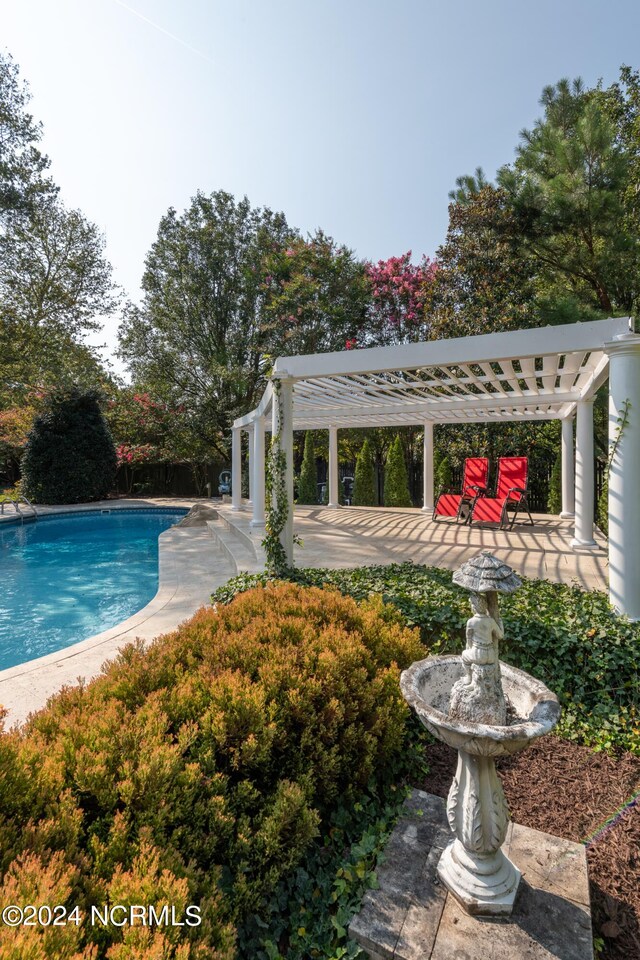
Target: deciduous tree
317,296
200,337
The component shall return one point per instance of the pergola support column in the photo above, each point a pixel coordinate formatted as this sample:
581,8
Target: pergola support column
283,435
584,475
257,519
568,471
624,474
236,468
250,462
427,470
334,479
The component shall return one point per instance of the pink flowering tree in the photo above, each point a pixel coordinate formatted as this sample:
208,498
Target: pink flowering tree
401,293
316,296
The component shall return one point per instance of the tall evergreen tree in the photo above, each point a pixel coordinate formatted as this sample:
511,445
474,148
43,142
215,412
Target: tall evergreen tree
365,492
308,483
396,486
70,456
570,191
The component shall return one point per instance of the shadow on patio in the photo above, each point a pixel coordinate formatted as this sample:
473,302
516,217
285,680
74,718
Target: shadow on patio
353,536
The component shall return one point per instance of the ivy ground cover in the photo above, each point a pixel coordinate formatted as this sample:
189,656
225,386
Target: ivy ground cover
569,638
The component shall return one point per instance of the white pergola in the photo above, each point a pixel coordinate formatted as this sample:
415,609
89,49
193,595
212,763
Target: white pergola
549,373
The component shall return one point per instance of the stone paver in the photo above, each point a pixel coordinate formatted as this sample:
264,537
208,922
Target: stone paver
413,917
355,536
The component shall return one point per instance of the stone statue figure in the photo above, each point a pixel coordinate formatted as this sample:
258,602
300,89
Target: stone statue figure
478,695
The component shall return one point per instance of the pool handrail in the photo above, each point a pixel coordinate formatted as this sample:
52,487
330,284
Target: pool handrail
15,503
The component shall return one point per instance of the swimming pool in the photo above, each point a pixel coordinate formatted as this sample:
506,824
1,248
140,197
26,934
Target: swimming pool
69,576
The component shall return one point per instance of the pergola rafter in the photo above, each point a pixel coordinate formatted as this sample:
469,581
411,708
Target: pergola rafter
537,374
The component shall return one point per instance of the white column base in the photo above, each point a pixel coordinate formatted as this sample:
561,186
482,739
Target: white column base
257,525
427,509
334,506
583,544
567,516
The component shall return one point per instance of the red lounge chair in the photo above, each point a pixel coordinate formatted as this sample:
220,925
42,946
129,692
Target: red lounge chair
511,494
474,484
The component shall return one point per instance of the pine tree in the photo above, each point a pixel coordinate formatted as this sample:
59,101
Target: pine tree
308,485
364,484
396,487
554,500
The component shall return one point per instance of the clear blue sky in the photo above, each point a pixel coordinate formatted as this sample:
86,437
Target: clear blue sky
351,115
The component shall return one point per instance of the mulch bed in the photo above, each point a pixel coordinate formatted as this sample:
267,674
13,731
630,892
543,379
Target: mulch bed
570,791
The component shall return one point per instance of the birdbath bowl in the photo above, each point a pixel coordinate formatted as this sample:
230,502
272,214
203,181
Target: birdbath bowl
446,692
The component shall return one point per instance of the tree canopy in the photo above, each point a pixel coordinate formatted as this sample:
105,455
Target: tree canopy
556,239
199,338
23,167
54,279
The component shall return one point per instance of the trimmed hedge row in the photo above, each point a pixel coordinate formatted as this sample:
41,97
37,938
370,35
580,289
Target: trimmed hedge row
199,771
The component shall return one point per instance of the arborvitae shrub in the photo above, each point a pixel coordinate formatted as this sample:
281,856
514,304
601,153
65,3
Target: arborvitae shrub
602,513
396,487
365,493
70,456
200,770
443,477
308,483
554,500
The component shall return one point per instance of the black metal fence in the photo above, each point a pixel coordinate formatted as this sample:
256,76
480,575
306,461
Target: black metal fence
186,480
169,480
539,481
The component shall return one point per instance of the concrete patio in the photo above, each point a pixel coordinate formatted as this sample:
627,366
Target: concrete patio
355,536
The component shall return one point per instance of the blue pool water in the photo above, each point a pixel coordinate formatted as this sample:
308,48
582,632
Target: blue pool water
66,578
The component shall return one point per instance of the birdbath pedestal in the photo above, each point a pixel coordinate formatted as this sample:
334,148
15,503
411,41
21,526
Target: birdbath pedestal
484,709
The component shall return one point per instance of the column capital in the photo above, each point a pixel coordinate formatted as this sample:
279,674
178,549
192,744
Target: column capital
626,344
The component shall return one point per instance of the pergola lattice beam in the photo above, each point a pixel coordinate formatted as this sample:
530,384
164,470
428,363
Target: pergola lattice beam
486,348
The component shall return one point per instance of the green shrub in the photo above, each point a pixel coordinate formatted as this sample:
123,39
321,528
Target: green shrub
396,487
602,513
201,770
554,500
443,476
70,456
308,483
365,489
569,638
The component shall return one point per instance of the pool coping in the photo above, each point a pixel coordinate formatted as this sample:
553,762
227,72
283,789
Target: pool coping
34,681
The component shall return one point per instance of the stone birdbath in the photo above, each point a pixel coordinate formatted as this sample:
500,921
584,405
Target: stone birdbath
484,709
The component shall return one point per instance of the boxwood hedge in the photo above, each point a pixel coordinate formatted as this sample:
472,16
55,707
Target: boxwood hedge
202,771
569,638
